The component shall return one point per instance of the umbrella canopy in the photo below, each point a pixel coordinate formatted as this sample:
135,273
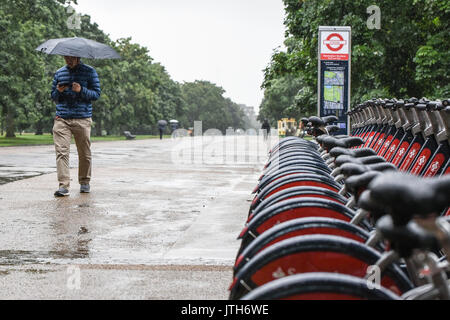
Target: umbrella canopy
174,124
78,47
162,122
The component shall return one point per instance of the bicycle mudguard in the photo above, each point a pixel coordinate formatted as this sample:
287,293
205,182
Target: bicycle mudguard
297,161
293,152
421,161
414,147
298,142
378,144
438,160
314,253
300,161
387,142
299,168
319,286
292,156
368,140
284,157
298,227
294,146
309,163
390,152
295,180
296,192
446,169
303,151
293,209
276,163
377,140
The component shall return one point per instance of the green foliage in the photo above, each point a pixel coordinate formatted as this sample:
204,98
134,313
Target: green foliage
136,92
205,102
407,57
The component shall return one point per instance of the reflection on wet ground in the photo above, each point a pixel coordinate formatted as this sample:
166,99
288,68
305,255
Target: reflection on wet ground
11,258
17,163
144,210
11,176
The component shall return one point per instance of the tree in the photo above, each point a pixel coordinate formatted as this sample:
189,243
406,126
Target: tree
205,102
406,57
136,91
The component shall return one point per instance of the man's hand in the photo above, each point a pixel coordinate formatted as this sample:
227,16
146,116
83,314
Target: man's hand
61,88
76,87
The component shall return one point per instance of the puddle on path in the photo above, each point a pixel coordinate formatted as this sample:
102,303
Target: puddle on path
21,257
18,175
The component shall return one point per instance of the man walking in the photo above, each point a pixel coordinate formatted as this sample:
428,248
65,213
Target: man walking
266,128
162,126
74,87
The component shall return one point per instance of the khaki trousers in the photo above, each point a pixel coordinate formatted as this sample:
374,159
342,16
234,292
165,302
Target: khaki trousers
63,129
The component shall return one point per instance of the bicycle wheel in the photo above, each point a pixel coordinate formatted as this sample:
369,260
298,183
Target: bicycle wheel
295,180
297,168
297,192
314,253
293,209
319,286
298,227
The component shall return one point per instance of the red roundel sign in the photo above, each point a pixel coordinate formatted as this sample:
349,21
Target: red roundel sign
334,42
335,45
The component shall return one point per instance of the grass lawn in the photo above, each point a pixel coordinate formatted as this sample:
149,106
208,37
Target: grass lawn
29,139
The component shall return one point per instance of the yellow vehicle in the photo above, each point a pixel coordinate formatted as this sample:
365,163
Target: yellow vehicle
287,127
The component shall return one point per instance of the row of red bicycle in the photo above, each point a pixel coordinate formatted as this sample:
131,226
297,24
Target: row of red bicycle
353,217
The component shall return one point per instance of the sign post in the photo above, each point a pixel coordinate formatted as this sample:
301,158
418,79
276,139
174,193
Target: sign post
334,74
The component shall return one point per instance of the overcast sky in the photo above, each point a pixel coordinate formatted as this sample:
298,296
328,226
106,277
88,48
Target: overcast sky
227,42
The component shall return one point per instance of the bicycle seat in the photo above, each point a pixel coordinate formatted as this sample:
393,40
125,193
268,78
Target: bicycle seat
304,121
329,119
332,128
321,138
331,142
351,169
317,132
404,195
357,183
316,121
362,160
404,239
356,153
366,202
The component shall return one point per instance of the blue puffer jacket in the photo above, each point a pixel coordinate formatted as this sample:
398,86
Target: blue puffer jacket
70,104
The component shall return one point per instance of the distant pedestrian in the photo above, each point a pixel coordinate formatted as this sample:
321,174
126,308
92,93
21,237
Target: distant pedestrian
74,87
161,126
266,128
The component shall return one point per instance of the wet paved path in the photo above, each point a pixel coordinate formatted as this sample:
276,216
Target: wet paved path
158,223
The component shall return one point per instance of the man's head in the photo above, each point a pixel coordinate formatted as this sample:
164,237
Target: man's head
72,62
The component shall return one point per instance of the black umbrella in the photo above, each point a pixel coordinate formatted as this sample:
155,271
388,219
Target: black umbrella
78,47
162,123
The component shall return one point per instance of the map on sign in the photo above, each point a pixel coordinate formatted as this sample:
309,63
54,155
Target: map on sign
334,90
